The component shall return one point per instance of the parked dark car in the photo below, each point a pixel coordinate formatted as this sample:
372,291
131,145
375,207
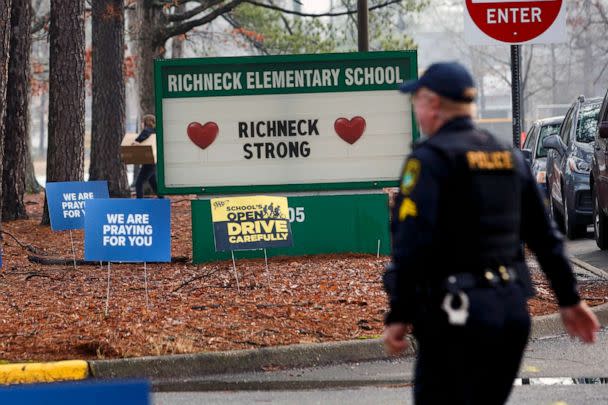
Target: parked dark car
599,178
533,149
568,167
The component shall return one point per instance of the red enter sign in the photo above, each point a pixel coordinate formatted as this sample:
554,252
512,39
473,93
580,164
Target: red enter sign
514,20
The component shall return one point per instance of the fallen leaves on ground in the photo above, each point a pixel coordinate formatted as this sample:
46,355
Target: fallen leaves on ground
58,312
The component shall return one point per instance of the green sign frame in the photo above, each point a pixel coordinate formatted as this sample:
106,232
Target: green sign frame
406,60
324,224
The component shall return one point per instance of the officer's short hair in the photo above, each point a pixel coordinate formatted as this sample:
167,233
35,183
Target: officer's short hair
458,107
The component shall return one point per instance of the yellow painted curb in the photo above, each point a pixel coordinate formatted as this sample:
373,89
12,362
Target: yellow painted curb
43,372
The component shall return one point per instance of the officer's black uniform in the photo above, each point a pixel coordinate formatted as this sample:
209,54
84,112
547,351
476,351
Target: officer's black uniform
464,205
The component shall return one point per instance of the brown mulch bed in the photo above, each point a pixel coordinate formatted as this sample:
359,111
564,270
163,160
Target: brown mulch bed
52,312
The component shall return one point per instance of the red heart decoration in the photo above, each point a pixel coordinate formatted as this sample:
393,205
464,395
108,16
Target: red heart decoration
350,130
202,135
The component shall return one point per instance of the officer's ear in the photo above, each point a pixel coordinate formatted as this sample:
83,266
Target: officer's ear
434,100
431,99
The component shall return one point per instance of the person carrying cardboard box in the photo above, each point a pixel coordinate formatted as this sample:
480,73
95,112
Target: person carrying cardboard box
147,171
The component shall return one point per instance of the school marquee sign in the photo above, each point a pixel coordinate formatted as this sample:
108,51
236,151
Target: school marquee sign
286,123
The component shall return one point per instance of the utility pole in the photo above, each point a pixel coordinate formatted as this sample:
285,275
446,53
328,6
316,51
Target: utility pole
362,24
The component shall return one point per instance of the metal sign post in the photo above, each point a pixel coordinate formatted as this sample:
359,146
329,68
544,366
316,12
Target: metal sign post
234,267
108,291
146,285
267,270
73,250
238,288
516,98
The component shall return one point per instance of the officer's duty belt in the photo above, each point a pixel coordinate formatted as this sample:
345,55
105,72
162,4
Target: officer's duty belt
488,278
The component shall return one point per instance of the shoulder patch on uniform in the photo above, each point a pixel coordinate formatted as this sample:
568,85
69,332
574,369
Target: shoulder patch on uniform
411,173
408,208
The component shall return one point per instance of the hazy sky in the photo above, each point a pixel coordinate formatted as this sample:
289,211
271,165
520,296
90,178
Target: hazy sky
315,6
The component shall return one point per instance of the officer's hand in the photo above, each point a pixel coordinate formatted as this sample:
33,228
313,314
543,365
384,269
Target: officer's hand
394,338
580,322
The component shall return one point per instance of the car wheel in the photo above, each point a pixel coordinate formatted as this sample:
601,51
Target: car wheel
600,224
571,229
554,214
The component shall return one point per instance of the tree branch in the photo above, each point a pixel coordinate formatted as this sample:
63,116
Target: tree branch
192,279
187,26
527,70
285,22
29,248
40,22
235,24
169,3
331,14
599,76
602,12
191,13
537,90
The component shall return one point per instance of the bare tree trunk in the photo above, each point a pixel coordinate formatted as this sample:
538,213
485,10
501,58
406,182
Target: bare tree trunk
17,116
108,125
43,106
65,154
553,77
5,36
177,47
31,183
149,47
177,42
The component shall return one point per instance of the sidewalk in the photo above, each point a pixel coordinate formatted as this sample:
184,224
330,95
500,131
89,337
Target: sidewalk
544,358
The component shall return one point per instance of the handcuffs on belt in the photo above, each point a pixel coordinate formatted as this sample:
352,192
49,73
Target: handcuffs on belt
458,316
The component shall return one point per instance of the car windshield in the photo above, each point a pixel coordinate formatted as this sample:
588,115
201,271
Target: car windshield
587,122
545,131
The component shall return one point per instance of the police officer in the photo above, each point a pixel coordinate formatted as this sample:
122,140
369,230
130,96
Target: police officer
458,277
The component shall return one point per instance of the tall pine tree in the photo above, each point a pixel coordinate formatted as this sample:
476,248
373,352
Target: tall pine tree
108,125
65,154
16,146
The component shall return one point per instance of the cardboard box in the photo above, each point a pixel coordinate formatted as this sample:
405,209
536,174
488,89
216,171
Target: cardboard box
140,153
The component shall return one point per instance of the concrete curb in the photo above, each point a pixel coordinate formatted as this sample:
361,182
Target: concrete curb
551,325
203,364
589,267
179,367
43,372
295,384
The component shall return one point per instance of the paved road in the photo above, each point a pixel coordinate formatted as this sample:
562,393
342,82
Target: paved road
553,361
554,371
586,250
529,395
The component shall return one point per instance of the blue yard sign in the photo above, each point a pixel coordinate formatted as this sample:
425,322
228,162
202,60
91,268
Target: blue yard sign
86,392
128,230
67,202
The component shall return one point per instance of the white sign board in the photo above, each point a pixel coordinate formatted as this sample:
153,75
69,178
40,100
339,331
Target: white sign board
283,123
